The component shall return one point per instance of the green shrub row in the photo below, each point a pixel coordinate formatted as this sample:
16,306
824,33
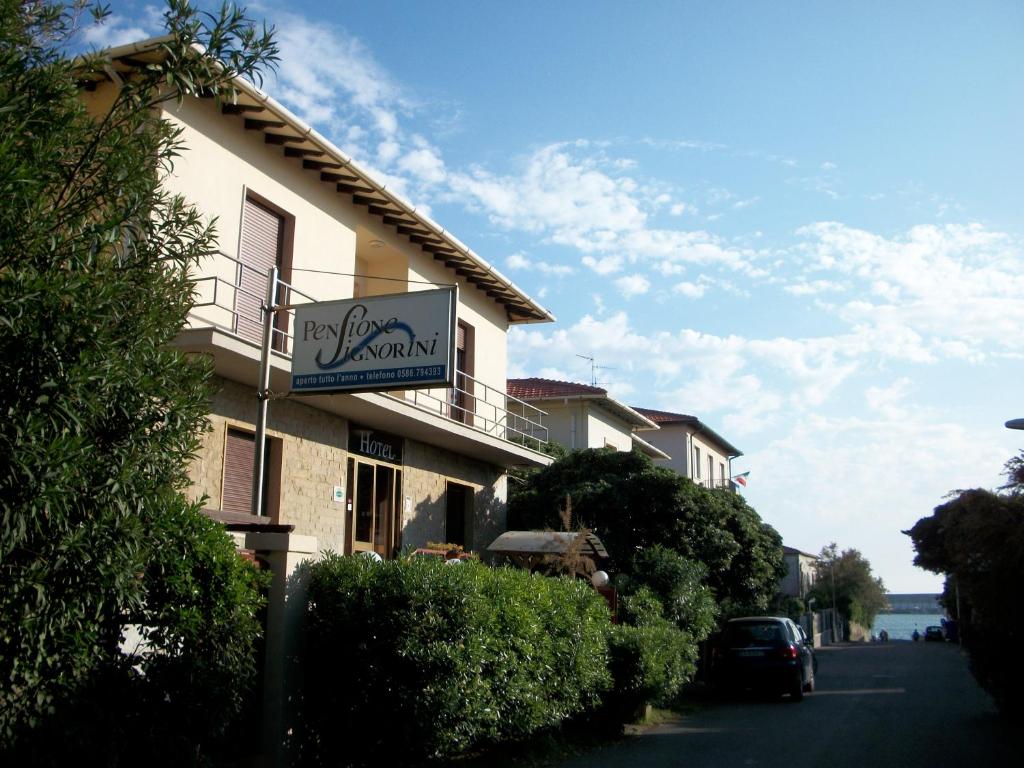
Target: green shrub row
412,659
651,658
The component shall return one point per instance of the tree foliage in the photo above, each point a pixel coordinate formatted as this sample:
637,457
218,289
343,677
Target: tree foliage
1014,472
633,505
845,580
100,416
977,540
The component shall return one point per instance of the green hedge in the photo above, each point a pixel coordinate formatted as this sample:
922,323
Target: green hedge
651,658
413,659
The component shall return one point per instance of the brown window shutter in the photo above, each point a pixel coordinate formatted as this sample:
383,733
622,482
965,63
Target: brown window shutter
262,233
460,337
238,457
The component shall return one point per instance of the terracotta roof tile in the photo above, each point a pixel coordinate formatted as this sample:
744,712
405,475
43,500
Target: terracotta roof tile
536,389
665,417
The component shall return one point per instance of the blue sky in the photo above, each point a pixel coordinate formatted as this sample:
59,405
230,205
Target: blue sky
799,222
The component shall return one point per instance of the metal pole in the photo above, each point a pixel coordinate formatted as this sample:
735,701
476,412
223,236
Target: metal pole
259,458
832,571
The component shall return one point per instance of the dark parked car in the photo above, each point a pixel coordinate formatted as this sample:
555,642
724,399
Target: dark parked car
764,653
934,633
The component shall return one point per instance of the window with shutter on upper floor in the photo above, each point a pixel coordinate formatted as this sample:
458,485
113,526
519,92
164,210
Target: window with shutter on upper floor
461,403
265,242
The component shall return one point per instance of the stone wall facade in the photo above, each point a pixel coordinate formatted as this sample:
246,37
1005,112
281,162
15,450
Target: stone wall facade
427,471
308,459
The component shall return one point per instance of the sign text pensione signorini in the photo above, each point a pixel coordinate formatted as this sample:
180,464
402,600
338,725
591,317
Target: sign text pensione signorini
396,341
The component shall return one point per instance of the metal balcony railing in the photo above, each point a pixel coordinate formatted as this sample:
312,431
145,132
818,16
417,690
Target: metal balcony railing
230,296
722,483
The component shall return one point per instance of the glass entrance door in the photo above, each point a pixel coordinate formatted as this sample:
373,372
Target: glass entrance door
373,492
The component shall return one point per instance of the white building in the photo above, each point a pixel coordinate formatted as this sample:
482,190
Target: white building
696,451
375,471
582,416
801,571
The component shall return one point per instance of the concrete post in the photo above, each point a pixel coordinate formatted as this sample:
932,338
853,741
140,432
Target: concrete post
284,552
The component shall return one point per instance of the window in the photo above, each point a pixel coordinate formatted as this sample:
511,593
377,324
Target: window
236,489
461,404
711,471
266,235
696,462
721,473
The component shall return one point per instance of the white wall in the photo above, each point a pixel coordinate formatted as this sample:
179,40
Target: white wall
604,430
222,160
674,440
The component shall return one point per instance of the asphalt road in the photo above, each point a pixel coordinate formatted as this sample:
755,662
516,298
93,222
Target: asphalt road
900,704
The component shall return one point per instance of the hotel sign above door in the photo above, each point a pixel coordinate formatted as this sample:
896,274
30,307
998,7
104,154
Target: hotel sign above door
377,343
376,445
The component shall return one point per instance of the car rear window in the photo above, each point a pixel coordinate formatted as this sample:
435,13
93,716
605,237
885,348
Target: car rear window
753,635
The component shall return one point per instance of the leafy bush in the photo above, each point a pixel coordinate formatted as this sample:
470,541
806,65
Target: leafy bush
977,540
679,585
651,658
171,691
412,659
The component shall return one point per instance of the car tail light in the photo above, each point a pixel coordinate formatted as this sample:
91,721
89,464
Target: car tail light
788,652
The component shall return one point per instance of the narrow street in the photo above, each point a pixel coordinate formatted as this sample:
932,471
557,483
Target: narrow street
901,705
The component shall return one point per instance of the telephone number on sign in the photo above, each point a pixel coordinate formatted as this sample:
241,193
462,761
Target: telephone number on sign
431,371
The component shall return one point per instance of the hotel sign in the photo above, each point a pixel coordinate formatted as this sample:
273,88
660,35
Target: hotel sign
376,445
378,343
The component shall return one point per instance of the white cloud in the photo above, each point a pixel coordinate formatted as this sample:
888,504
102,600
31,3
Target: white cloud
931,292
888,401
569,196
705,372
117,30
633,285
517,261
331,79
388,150
605,266
812,287
690,290
424,164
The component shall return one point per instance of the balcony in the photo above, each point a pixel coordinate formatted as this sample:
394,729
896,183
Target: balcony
720,484
229,300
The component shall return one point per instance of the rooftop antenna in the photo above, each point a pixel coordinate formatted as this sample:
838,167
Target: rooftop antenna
594,368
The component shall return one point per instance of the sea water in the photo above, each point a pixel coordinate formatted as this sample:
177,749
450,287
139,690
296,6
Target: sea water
901,626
